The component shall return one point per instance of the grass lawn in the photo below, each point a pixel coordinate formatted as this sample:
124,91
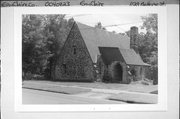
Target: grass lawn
134,87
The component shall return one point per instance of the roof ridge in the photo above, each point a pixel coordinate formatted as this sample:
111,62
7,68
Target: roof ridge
95,38
100,29
107,47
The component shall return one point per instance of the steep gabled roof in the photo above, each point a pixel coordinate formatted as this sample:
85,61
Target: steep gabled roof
110,54
129,56
112,47
95,37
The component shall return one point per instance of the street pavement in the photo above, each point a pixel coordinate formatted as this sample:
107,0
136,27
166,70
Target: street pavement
43,97
133,87
63,94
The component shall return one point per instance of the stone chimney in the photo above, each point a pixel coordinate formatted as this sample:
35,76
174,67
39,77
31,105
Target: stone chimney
134,38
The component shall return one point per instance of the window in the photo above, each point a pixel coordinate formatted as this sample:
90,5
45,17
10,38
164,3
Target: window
133,72
100,67
141,70
65,68
74,49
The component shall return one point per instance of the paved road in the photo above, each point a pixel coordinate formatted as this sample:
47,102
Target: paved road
42,97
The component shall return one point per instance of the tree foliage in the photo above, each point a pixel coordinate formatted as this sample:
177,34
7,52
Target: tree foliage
150,23
42,39
148,43
99,25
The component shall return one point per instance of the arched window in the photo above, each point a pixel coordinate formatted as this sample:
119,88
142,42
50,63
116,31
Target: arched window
74,49
64,67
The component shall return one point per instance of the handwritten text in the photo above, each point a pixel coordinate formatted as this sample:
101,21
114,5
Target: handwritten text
147,3
17,3
91,3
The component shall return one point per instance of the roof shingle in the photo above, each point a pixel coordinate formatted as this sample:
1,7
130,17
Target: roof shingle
94,37
112,47
129,56
110,54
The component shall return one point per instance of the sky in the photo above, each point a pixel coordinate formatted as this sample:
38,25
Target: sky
123,21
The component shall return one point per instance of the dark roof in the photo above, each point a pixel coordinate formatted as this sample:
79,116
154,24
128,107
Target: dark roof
95,37
129,56
112,47
110,54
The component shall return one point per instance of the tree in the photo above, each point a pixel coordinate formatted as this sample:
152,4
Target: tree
150,23
59,28
148,43
99,25
33,45
128,33
123,34
149,40
42,39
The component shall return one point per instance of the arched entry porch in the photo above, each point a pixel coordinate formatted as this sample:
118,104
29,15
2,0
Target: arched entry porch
117,72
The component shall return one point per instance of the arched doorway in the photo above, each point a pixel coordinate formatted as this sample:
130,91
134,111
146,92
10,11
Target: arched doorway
117,71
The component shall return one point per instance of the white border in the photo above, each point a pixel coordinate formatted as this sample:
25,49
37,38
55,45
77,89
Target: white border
162,58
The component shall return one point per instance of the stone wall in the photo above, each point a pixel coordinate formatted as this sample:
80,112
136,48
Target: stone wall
136,73
101,67
106,72
125,79
74,63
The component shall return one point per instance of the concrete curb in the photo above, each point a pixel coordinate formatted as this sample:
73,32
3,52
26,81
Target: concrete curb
59,89
135,98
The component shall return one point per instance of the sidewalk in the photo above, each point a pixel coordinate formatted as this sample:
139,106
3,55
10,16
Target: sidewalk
54,88
135,98
108,94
